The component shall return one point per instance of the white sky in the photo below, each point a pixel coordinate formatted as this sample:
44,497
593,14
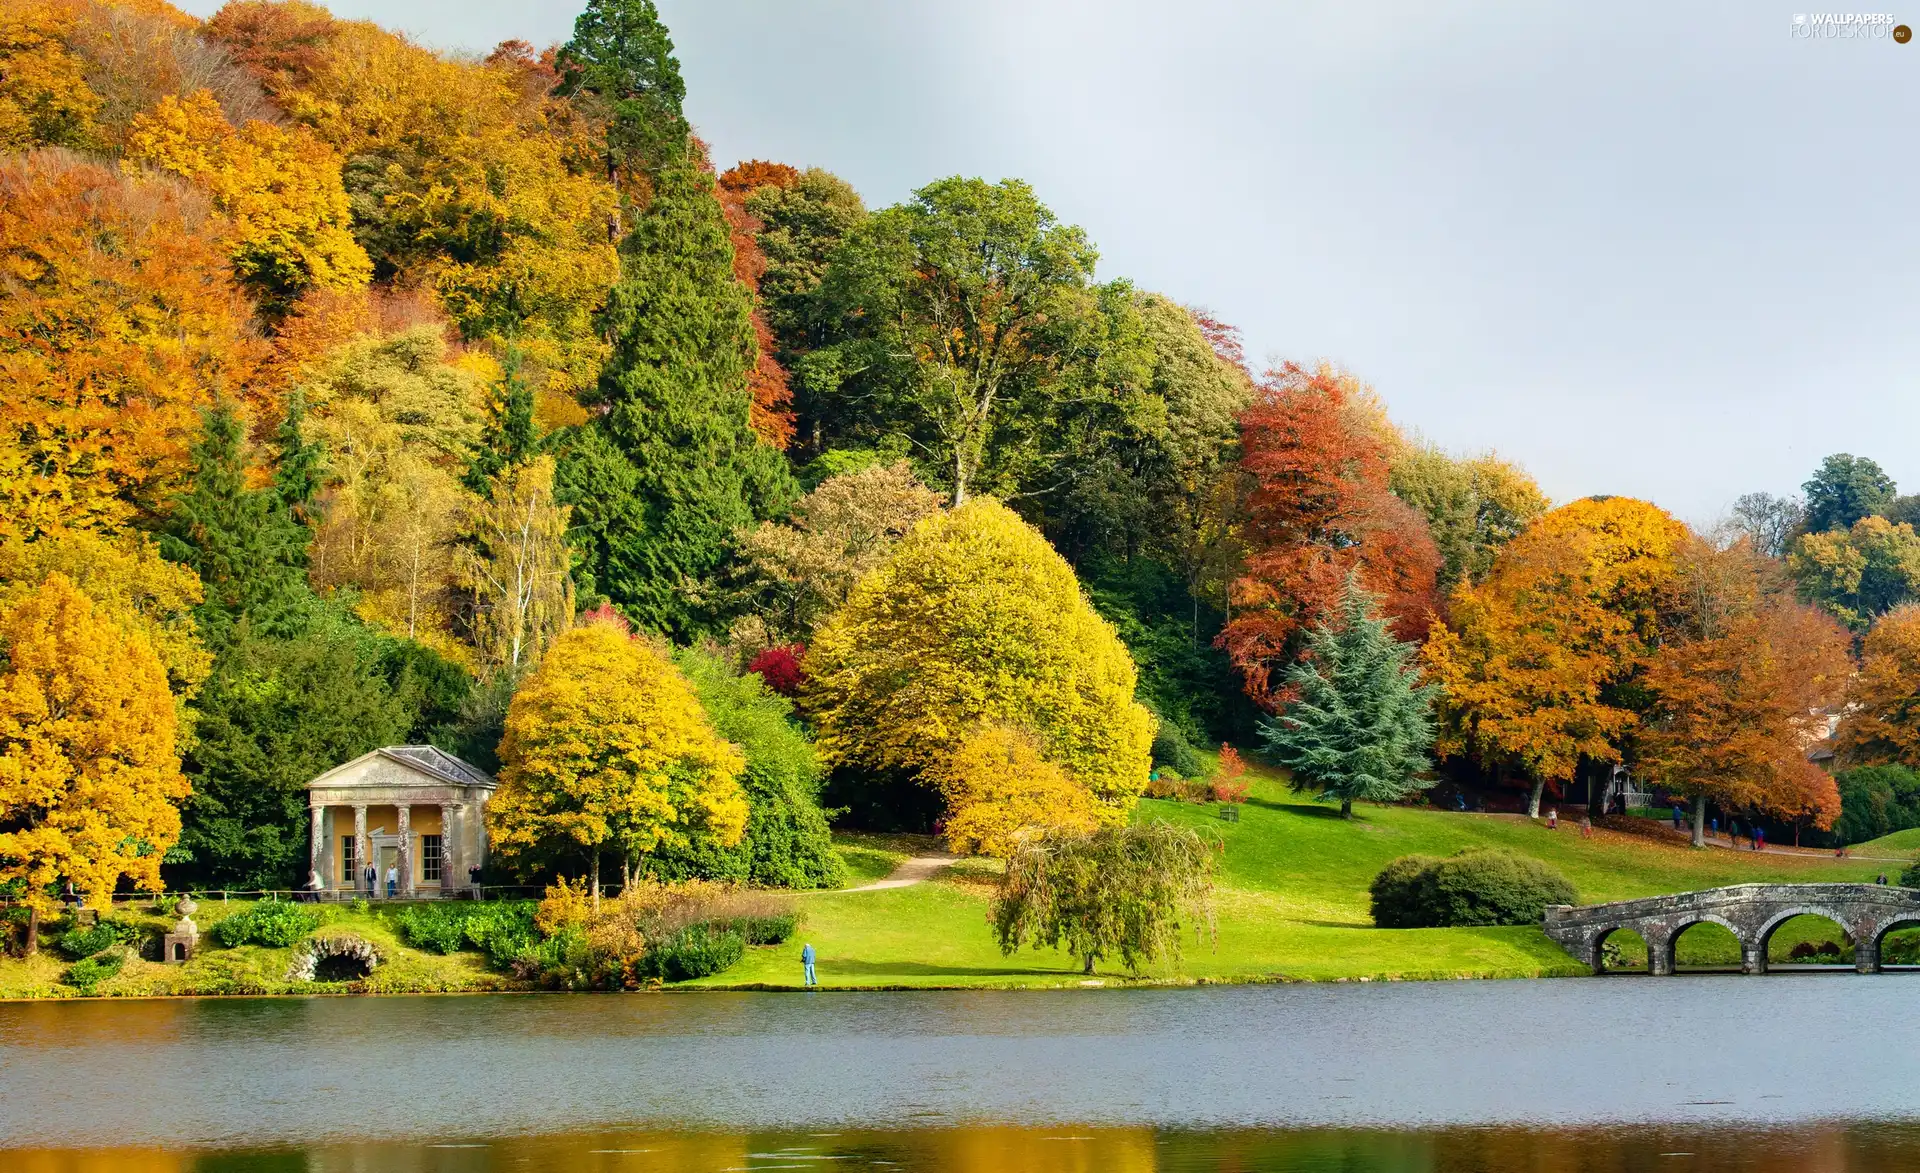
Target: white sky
1670,251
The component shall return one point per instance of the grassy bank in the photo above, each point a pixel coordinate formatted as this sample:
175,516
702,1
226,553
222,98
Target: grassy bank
1292,905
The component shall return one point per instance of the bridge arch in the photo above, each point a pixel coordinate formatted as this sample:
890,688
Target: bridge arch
1885,928
1607,934
1669,947
1763,935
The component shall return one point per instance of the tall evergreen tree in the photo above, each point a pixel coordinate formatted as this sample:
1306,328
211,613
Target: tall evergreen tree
680,470
1844,489
1362,722
622,58
249,553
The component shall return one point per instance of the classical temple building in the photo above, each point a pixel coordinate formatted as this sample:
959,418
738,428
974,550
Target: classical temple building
410,808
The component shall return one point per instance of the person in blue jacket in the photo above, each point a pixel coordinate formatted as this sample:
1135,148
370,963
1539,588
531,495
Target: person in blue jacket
806,962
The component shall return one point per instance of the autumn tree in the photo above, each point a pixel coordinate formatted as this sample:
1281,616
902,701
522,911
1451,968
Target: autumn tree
1319,510
1742,679
280,188
964,306
798,572
974,620
998,784
607,749
1858,574
1359,720
1882,721
460,176
771,415
1473,506
399,420
119,323
44,97
1532,661
130,585
519,567
89,780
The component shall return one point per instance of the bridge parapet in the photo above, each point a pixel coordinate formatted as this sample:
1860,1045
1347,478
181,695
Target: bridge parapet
1867,912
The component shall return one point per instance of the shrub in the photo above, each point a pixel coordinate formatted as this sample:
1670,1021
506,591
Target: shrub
1229,781
274,924
1399,893
86,942
780,667
694,952
761,930
1166,782
434,928
1910,875
503,930
1479,886
1810,951
1171,748
90,972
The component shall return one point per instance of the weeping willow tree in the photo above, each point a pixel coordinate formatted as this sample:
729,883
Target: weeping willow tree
1128,891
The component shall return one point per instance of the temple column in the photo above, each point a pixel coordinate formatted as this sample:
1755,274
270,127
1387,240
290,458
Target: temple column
406,851
452,877
362,848
317,842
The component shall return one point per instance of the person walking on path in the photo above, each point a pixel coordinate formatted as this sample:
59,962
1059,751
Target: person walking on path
1716,827
393,880
806,964
1676,816
1586,826
1553,818
1759,837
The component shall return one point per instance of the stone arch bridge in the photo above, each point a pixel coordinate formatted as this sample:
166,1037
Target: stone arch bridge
1868,912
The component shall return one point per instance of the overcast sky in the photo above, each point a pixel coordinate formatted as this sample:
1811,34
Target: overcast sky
1670,251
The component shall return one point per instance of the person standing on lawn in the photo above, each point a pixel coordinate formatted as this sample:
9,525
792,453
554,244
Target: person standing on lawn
806,963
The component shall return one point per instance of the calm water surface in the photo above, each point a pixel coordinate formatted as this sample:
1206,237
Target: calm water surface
1784,1072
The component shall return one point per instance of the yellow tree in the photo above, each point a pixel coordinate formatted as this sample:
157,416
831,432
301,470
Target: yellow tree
1882,724
1741,679
607,747
998,784
975,619
281,188
44,96
519,567
131,584
1531,659
89,777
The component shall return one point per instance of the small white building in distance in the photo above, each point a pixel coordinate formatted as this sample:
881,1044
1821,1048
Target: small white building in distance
410,809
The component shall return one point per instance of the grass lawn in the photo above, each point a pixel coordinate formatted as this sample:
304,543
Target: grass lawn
1292,904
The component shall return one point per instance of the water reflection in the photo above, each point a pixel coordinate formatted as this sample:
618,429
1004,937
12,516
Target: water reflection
1828,1148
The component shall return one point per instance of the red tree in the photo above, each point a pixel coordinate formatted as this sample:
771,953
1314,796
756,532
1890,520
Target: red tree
1319,509
771,415
780,667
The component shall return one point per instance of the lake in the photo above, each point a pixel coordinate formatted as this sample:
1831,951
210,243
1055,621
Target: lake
1686,1073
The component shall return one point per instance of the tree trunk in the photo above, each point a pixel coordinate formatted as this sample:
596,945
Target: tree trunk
1699,820
1089,967
596,881
1346,808
33,931
626,872
1533,797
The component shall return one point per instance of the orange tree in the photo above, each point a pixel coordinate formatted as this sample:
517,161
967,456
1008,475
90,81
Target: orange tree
1535,662
1882,724
89,777
119,322
1319,509
1740,684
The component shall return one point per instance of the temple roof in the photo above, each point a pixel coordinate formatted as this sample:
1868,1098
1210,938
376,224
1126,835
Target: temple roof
435,765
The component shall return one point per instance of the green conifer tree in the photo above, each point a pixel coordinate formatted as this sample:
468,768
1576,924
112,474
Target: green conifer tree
510,437
1361,722
622,58
681,470
250,554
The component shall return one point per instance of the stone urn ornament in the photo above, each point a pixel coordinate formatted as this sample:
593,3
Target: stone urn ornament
178,946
